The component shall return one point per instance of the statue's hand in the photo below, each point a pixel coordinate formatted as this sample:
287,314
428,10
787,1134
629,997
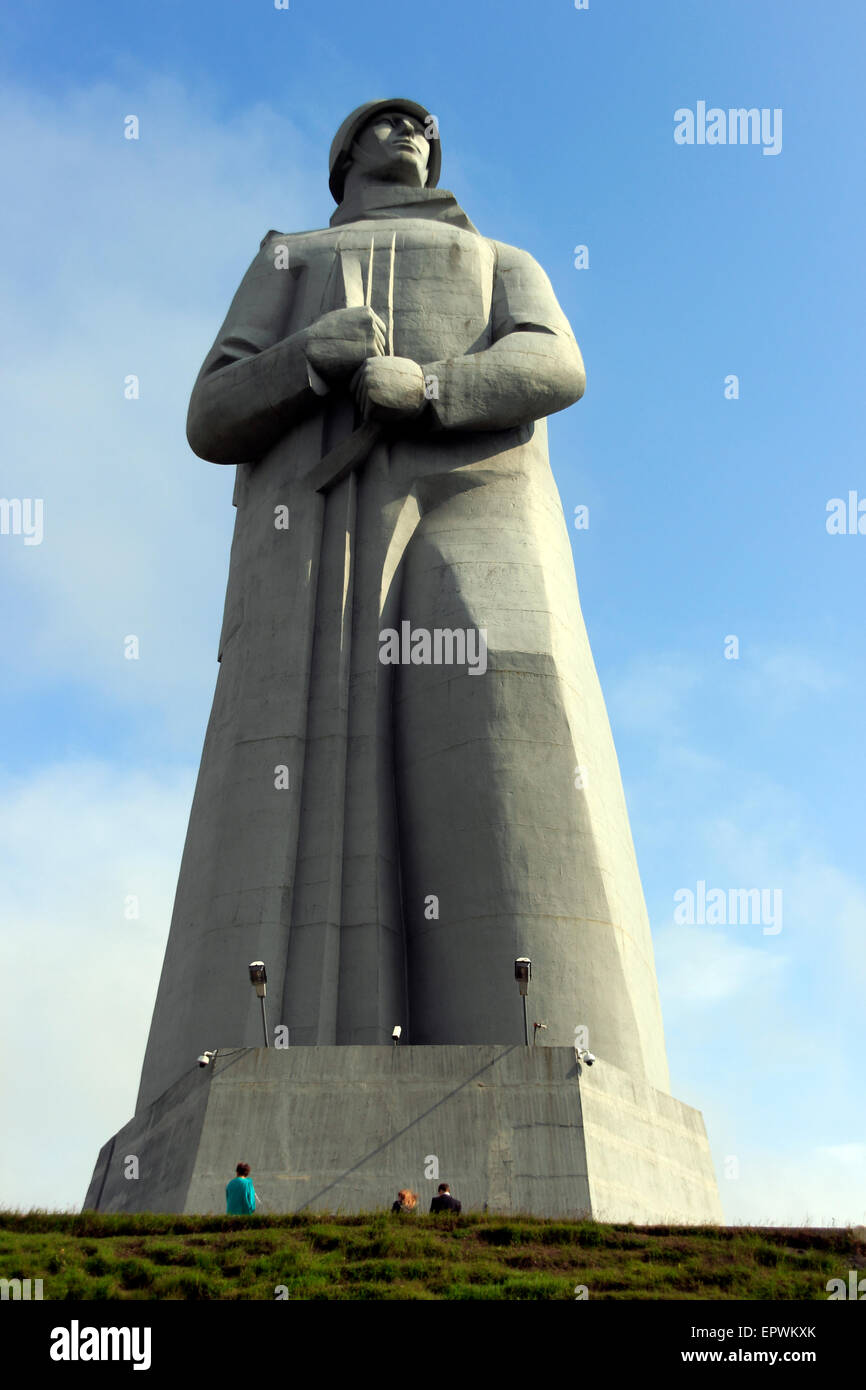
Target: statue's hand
389,388
339,342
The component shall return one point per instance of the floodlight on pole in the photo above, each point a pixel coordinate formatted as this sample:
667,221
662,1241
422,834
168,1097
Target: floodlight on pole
523,974
259,979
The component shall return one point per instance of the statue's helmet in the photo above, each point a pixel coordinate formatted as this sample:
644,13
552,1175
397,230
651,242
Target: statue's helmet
341,158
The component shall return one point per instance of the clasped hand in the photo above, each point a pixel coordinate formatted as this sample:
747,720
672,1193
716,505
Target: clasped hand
352,342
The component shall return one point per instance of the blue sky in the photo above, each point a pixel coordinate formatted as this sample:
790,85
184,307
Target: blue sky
707,514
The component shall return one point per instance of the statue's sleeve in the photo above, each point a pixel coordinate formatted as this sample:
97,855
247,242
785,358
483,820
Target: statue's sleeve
255,382
533,367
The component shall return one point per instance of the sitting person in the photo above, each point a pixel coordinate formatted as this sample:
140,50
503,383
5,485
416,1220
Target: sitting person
406,1200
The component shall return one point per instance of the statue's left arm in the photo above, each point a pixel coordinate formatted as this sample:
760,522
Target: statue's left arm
533,367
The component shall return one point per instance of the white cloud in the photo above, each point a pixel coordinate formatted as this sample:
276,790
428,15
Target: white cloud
700,965
850,1155
780,679
75,841
811,1188
767,1032
649,697
120,257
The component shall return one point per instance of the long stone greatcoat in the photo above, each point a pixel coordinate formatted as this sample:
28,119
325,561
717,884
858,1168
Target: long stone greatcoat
431,829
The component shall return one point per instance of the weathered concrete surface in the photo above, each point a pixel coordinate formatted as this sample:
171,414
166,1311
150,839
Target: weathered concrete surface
165,1137
342,1128
410,782
388,838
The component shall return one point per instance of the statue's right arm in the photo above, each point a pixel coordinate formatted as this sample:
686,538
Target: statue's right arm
254,383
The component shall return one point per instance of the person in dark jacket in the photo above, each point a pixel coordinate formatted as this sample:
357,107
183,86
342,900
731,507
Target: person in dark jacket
443,1201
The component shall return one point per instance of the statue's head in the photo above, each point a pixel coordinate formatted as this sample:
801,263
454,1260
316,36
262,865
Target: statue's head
390,141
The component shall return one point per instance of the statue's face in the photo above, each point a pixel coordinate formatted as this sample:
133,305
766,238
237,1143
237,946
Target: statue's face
392,148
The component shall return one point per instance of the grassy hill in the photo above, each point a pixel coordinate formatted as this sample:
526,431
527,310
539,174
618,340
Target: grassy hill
380,1256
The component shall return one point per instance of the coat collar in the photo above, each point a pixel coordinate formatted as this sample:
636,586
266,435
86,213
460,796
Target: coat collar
380,200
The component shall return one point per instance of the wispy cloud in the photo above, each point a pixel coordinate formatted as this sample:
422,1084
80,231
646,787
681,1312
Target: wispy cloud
782,679
117,257
651,695
83,847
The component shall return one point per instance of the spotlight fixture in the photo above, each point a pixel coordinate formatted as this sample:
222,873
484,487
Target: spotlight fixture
259,980
523,974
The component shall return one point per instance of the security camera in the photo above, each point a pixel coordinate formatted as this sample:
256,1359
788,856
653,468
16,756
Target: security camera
397,1033
589,1058
205,1058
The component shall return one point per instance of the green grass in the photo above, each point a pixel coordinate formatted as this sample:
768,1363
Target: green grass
379,1256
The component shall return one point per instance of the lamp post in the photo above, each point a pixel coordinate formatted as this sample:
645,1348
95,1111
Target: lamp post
523,974
259,979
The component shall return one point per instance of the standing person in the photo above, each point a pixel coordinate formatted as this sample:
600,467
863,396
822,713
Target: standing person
406,1200
240,1193
443,1201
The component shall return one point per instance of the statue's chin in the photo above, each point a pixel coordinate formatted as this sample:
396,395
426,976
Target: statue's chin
402,169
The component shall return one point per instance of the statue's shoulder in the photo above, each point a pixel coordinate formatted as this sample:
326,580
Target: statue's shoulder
525,286
512,257
273,235
309,234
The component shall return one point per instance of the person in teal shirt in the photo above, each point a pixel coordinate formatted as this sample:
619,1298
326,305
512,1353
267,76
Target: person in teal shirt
240,1193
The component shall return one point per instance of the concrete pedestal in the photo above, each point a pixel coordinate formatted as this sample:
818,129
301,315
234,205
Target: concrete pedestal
511,1128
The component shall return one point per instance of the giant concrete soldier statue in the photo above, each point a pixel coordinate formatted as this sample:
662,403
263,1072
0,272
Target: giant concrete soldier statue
408,778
